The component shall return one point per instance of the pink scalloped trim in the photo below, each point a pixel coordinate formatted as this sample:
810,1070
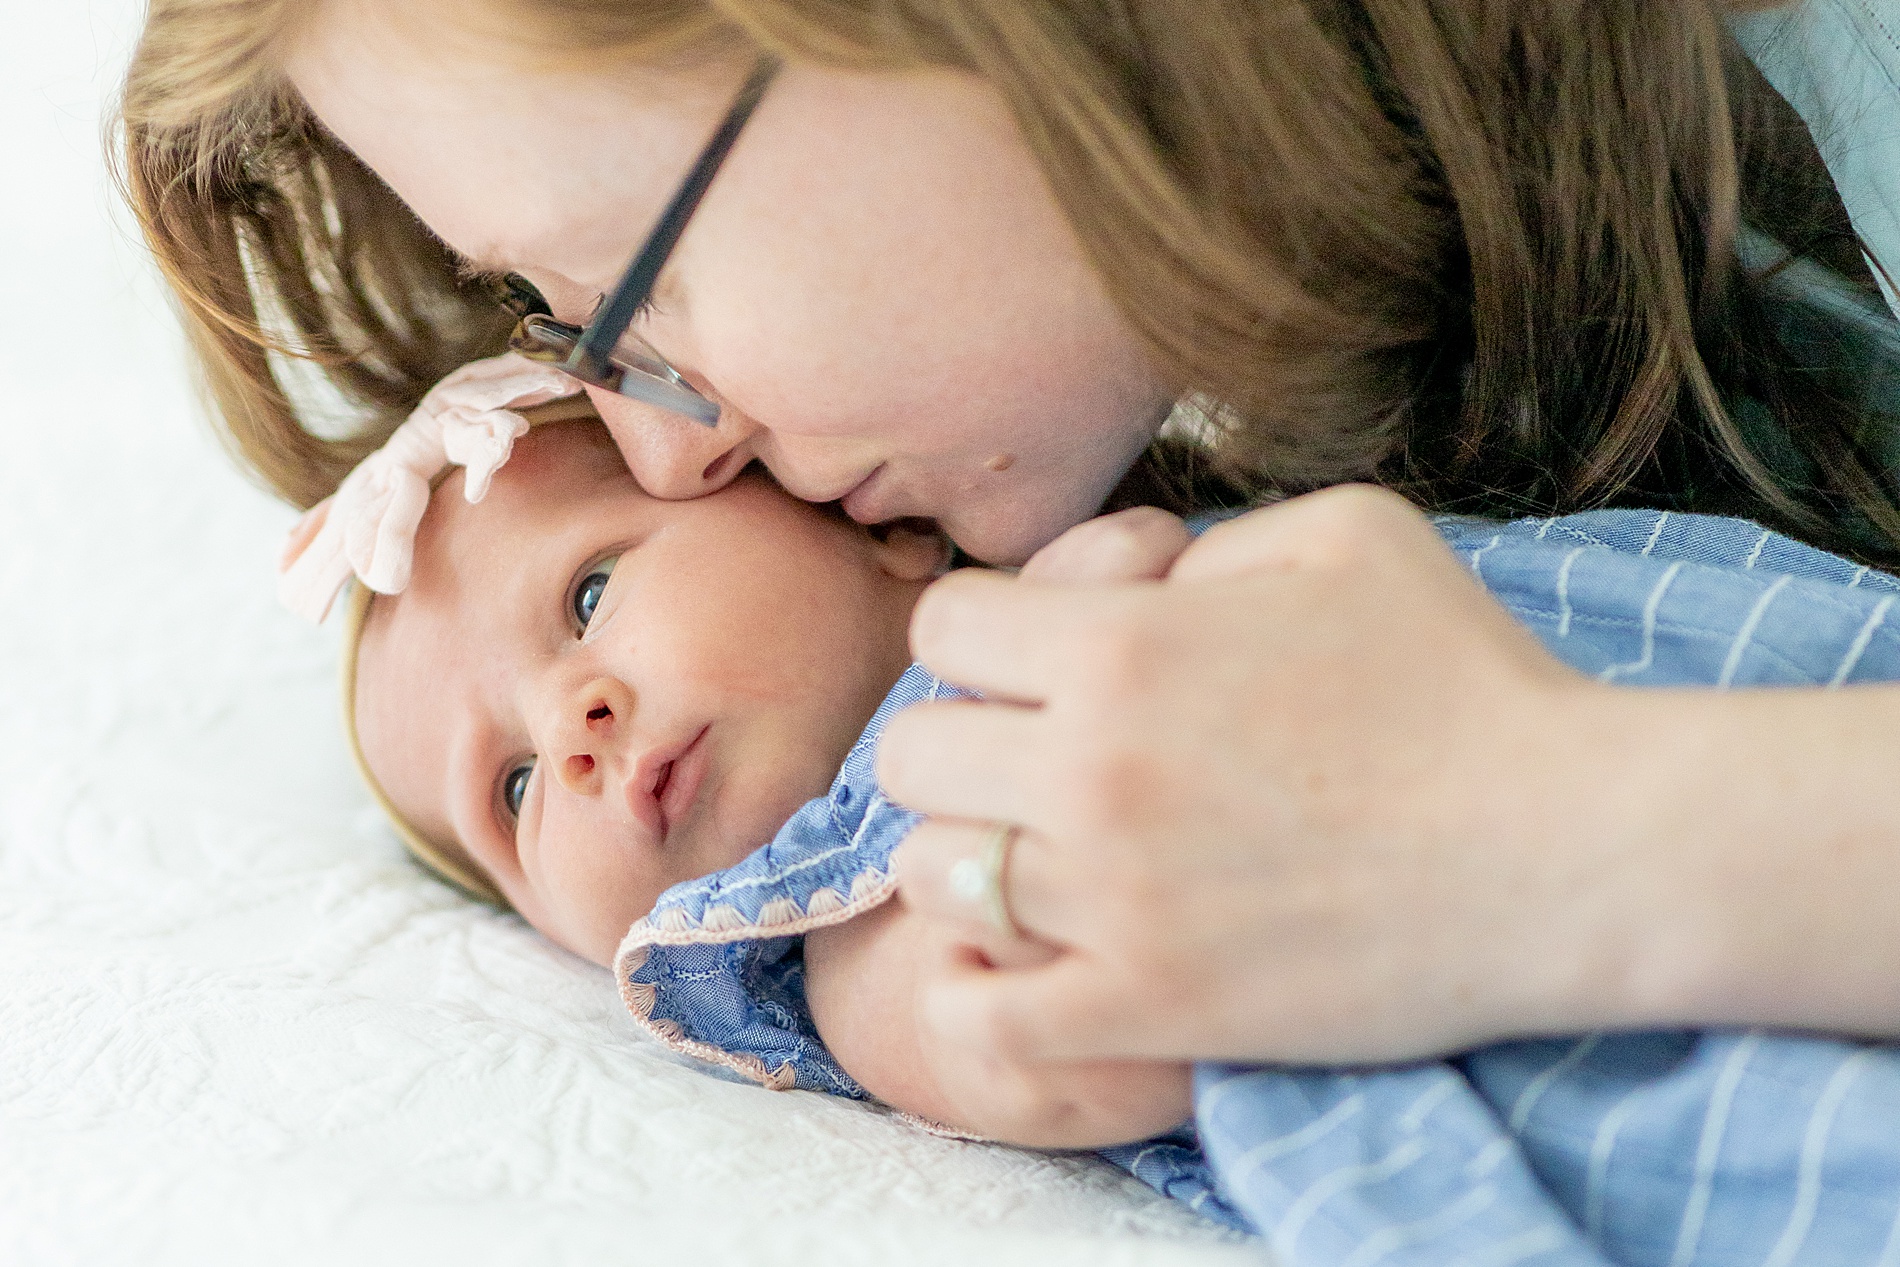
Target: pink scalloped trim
639,996
931,1127
869,890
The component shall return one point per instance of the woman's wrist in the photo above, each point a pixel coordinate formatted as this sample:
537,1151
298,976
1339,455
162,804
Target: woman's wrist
1731,859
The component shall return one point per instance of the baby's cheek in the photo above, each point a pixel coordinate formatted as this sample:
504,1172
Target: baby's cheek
588,899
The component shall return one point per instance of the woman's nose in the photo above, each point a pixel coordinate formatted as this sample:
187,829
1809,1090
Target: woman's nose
587,734
672,456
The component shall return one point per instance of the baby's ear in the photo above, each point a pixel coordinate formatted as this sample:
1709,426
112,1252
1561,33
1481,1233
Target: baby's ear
911,550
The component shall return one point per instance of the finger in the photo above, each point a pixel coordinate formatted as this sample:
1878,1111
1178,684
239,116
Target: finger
1138,544
923,865
969,930
1337,528
1069,1009
965,759
933,868
1005,637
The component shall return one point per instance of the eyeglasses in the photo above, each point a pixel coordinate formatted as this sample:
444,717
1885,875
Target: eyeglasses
607,353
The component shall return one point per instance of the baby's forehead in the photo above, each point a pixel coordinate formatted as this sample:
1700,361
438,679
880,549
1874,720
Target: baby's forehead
574,446
564,482
428,657
554,471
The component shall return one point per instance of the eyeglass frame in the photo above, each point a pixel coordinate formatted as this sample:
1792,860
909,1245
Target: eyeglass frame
588,354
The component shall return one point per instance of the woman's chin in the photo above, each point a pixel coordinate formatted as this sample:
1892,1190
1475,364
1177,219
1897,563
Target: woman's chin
1003,535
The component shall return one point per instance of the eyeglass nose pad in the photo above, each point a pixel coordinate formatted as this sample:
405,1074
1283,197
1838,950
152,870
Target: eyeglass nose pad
636,372
543,339
679,399
667,387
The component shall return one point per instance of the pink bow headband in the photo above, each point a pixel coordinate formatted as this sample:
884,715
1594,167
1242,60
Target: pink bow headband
367,528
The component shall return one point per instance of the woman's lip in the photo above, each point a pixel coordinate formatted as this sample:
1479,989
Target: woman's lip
862,502
682,778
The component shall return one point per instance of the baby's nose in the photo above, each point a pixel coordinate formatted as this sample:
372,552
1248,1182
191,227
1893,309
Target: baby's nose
591,728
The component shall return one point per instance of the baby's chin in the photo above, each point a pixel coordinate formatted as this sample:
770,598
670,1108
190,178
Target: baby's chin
743,811
596,936
731,833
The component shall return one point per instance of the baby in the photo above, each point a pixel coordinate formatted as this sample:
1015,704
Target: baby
649,727
586,696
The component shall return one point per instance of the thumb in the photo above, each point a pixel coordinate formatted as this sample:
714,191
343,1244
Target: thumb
1138,544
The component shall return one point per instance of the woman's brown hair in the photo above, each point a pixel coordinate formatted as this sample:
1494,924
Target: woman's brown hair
1484,251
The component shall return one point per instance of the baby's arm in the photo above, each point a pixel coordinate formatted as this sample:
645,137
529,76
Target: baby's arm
862,980
863,976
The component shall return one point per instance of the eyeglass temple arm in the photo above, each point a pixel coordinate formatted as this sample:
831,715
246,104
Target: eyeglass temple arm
597,342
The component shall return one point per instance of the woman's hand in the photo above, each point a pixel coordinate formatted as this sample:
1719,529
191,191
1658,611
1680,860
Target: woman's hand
1293,803
864,979
1138,544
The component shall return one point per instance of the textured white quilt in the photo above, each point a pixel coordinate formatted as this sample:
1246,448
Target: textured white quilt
235,1024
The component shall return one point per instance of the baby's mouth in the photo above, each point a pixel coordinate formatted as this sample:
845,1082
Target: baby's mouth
678,783
663,783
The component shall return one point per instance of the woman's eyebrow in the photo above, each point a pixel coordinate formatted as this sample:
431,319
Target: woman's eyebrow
484,264
469,271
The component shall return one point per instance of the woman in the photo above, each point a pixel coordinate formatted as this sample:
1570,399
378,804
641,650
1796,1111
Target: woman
961,260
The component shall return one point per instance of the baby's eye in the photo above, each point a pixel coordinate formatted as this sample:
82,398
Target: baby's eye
587,591
514,787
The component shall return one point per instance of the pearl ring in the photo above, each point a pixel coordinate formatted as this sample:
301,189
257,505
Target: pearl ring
979,880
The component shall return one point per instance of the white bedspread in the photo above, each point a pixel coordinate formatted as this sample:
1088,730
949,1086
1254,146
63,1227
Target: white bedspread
235,1024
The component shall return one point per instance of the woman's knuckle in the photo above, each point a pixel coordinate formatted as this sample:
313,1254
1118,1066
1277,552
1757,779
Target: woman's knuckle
1147,519
1357,499
1123,783
931,618
1146,942
1103,784
1117,659
1144,894
1117,546
1353,521
1132,530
